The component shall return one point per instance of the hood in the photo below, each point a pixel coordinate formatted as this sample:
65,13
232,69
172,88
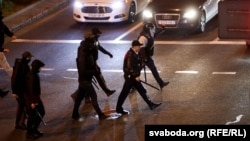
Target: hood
37,64
173,5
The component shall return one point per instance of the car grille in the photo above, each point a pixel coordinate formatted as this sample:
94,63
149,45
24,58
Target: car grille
167,20
96,9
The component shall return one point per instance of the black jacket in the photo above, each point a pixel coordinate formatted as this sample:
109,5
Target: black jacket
132,65
20,70
85,61
33,87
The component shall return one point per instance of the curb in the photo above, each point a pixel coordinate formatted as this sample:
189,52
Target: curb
34,18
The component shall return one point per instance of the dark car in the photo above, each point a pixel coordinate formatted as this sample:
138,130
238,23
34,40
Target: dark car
181,14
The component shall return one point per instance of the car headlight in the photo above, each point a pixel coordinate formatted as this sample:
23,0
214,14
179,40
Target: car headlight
119,4
78,4
147,14
190,14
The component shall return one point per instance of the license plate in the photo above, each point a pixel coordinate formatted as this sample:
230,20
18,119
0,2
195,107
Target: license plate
167,22
96,15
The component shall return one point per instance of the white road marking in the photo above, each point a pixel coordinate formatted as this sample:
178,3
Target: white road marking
115,71
189,72
215,42
233,73
238,118
128,32
70,78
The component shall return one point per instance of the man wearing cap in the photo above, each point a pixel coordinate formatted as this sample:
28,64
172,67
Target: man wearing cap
3,61
96,32
132,68
20,70
34,104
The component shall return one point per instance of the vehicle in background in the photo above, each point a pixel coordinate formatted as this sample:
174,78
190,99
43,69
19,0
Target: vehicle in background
191,15
107,11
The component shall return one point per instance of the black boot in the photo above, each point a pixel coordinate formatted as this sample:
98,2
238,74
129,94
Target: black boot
152,106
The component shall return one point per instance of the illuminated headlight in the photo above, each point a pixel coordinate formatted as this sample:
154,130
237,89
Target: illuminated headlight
147,14
190,14
119,4
78,4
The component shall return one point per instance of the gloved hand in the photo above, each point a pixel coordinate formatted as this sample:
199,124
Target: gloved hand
110,55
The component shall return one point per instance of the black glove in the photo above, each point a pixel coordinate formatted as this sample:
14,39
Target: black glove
110,55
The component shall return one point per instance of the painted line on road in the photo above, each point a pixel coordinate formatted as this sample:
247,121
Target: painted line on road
215,42
115,71
188,72
233,73
128,32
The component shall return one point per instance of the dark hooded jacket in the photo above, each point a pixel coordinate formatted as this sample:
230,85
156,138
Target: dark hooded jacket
33,88
20,71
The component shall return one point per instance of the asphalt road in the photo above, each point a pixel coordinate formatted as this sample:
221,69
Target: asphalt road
209,80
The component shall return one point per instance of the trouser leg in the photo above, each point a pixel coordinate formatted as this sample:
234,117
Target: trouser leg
79,97
39,110
89,89
123,95
21,112
142,91
4,63
151,65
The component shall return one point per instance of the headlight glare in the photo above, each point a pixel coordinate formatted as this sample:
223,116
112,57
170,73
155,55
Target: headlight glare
190,14
147,14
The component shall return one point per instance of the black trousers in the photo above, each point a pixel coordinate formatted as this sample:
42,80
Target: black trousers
86,88
33,118
151,65
128,84
21,111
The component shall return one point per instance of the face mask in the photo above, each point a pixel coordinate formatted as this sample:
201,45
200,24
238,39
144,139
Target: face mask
152,32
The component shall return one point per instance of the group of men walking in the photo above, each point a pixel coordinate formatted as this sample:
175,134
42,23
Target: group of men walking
137,57
25,80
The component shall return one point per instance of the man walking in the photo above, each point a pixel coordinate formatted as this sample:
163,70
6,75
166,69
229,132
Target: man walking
146,38
132,67
20,70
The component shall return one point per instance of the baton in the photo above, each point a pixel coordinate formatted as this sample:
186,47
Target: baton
94,82
44,123
150,85
145,75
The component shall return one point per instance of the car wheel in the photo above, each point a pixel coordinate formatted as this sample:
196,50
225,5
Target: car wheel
202,23
131,14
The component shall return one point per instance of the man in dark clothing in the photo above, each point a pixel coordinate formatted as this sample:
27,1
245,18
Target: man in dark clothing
146,37
34,104
99,77
86,70
132,68
20,71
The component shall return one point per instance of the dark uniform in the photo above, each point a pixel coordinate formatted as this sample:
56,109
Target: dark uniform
20,70
99,77
132,67
147,52
35,107
86,70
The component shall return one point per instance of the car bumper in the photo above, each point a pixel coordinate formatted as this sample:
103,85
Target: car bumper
172,22
100,16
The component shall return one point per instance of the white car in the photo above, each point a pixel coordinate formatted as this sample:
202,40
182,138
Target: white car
107,11
181,14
